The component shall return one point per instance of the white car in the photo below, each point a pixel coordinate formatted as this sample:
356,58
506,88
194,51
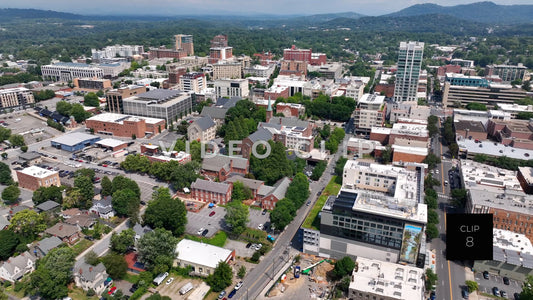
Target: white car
200,230
238,286
169,281
260,227
258,246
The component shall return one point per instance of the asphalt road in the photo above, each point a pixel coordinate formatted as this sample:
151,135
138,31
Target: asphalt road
258,278
451,274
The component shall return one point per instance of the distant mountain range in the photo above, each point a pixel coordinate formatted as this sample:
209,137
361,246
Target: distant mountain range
480,12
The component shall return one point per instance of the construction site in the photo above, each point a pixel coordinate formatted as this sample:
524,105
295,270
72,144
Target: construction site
305,279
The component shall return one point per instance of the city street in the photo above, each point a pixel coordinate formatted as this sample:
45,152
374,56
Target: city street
451,274
258,278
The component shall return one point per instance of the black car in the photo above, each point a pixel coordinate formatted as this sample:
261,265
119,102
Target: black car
232,293
133,288
464,293
485,274
248,245
516,296
506,280
496,291
204,233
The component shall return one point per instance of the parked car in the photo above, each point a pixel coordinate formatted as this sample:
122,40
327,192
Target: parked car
221,295
248,245
496,291
464,293
200,230
212,213
112,290
264,212
238,285
232,293
503,294
506,280
260,227
169,281
486,274
204,233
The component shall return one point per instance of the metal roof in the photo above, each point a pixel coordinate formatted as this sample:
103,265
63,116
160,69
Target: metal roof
74,138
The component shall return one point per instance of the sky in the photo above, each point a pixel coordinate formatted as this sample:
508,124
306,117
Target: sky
230,7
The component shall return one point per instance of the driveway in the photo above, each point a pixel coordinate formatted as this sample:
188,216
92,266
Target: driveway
201,219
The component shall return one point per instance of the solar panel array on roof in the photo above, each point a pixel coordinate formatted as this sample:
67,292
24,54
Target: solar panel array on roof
498,254
527,260
345,200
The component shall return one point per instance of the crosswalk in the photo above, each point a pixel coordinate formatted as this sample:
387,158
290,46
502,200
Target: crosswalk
443,196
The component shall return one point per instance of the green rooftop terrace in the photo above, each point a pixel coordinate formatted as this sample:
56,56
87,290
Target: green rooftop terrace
312,221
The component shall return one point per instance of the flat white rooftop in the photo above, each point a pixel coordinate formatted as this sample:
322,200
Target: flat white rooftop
200,253
410,129
478,174
110,143
37,172
381,130
386,279
411,150
372,99
509,240
488,148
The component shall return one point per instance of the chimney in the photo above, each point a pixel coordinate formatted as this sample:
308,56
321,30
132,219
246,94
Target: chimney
279,120
81,272
90,269
61,227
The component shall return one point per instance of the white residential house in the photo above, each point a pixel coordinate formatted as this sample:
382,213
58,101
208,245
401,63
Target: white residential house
90,277
15,267
103,208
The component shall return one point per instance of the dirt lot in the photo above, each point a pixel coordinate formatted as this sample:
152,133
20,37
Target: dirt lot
313,286
172,290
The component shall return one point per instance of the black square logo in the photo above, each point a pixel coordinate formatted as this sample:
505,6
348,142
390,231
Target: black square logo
469,236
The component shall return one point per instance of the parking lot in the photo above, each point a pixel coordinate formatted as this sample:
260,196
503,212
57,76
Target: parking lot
256,217
201,219
486,285
31,128
172,290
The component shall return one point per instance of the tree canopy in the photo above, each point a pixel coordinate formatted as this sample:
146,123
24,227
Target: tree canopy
221,278
116,266
166,212
343,267
126,203
9,243
156,249
121,242
272,168
53,273
236,216
11,194
91,99
5,174
51,193
27,223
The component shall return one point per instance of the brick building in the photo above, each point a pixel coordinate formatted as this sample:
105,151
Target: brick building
510,131
290,109
297,54
35,177
222,166
92,83
275,92
270,195
293,67
252,184
166,53
318,59
114,97
264,58
525,177
211,192
473,129
405,154
125,125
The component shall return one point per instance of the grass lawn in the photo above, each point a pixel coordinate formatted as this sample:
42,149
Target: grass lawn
131,278
312,221
81,246
79,294
10,291
219,239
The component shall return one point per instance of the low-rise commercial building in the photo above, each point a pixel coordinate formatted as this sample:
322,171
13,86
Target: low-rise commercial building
35,177
201,257
470,129
114,97
374,279
231,88
74,141
125,125
490,96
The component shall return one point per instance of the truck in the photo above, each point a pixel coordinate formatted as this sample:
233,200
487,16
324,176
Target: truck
186,288
160,278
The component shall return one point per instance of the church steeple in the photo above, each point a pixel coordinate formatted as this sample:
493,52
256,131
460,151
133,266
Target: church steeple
269,110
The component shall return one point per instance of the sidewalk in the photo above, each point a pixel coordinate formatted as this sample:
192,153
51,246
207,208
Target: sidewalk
469,275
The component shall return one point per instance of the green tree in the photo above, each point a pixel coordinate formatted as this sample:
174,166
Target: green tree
5,174
166,212
459,197
51,193
73,198
86,188
476,106
343,267
11,194
471,285
240,192
386,155
527,288
27,223
242,272
126,203
221,278
17,140
273,167
433,217
432,231
283,213
85,172
116,266
298,190
318,170
107,186
5,133
9,243
339,166
53,273
157,248
121,242
64,108
431,279
91,258
79,113
91,99
157,296
236,216
123,183
24,148
432,160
